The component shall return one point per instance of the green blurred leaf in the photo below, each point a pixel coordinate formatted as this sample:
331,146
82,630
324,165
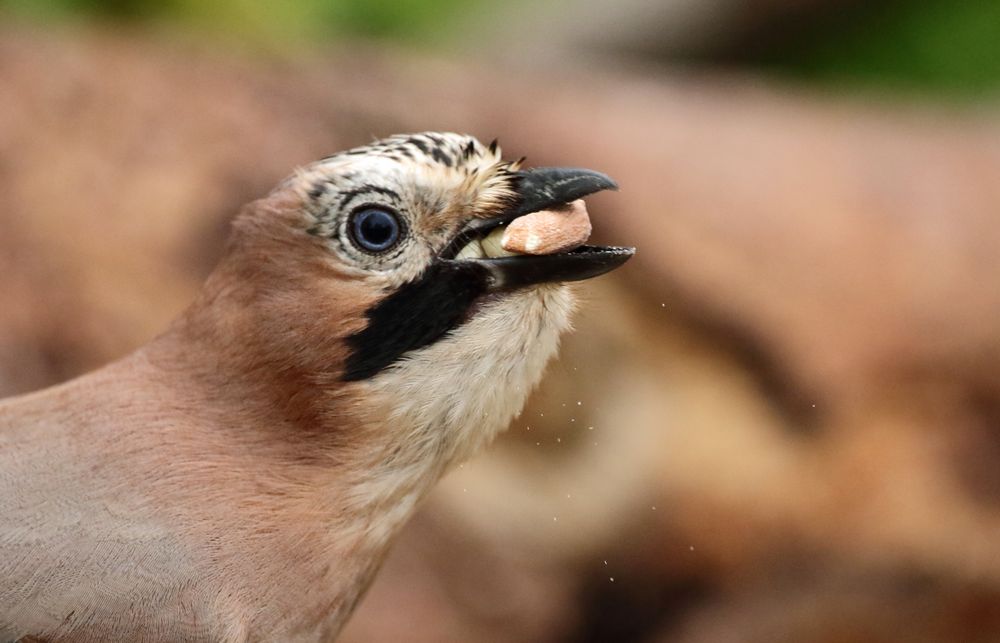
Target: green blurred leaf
947,46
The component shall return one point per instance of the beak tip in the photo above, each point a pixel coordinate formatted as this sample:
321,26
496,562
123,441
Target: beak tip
610,183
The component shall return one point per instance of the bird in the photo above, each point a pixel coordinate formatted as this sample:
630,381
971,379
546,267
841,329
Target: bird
242,476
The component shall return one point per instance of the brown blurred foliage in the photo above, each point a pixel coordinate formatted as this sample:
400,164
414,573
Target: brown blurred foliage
781,421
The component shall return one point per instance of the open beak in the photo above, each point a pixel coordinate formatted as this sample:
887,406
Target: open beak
540,189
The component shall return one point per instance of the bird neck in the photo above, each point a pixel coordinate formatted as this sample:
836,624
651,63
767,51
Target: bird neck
315,484
326,471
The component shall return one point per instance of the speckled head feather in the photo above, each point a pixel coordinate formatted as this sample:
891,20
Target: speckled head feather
448,177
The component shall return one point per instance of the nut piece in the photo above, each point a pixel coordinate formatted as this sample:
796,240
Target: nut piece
548,231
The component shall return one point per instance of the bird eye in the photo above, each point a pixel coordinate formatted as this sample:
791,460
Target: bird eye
375,229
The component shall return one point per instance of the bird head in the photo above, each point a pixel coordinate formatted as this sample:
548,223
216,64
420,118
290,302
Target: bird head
367,274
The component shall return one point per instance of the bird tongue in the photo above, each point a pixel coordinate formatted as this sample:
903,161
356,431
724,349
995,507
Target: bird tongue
550,231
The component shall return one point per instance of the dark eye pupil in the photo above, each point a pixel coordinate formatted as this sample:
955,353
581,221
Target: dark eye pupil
375,230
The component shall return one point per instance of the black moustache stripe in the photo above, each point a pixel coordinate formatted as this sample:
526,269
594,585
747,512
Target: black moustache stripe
417,314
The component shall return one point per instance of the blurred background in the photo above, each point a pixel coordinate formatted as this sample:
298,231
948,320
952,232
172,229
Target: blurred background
779,422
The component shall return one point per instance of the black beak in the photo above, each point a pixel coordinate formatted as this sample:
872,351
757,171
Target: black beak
538,189
585,262
544,187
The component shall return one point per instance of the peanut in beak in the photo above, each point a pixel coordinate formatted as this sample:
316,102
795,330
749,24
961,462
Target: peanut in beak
548,231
